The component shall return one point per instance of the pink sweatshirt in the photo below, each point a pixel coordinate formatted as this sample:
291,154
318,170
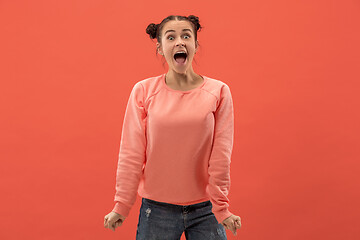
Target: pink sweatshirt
176,145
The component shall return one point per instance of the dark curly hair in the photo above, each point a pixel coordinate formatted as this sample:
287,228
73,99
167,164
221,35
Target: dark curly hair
154,30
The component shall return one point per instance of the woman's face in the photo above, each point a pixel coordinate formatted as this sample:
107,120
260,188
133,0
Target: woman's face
177,36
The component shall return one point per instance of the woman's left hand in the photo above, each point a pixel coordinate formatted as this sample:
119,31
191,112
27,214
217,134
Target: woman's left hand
232,223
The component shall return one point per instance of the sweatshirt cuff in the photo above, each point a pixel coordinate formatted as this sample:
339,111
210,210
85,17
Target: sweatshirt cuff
121,209
222,215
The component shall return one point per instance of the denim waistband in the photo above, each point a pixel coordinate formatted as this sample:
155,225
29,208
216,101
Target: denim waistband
169,205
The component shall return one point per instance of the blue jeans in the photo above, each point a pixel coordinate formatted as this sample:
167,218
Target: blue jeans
164,221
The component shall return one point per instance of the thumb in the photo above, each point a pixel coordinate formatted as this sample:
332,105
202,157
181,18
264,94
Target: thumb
238,223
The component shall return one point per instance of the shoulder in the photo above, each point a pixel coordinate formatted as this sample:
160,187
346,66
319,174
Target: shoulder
216,87
150,82
148,87
215,81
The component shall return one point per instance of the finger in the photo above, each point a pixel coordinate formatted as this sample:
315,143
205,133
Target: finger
108,225
113,227
233,228
105,221
234,231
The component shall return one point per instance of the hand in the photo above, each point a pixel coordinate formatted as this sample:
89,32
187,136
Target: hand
232,223
113,220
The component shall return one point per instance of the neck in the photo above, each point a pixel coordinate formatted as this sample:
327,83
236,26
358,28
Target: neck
189,77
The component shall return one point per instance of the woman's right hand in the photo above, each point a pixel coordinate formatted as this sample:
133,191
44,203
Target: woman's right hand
113,220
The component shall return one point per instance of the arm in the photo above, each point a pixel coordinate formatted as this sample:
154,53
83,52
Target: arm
220,158
132,152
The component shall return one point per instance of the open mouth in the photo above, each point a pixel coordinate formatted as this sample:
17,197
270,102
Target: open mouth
180,57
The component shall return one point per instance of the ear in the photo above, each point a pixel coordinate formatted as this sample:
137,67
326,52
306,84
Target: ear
158,47
196,46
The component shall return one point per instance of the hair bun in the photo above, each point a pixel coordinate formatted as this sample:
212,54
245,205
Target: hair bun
195,21
152,29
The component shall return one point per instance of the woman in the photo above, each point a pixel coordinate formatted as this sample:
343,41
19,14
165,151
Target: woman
176,144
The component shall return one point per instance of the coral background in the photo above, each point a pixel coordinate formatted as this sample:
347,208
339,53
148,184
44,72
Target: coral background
66,72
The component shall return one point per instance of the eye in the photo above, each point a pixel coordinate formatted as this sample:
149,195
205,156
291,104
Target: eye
173,37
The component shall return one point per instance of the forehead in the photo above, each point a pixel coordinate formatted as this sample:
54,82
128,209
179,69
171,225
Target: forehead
178,26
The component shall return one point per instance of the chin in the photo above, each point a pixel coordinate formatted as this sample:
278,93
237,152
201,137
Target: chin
181,69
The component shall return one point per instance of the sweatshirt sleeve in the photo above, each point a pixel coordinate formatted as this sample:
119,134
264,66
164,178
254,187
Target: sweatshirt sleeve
131,153
220,158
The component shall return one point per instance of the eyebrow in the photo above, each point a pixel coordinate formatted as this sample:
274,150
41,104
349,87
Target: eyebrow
186,29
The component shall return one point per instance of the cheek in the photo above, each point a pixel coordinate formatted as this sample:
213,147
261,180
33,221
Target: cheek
166,51
168,54
192,53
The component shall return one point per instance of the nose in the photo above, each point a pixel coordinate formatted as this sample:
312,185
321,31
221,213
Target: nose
180,43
